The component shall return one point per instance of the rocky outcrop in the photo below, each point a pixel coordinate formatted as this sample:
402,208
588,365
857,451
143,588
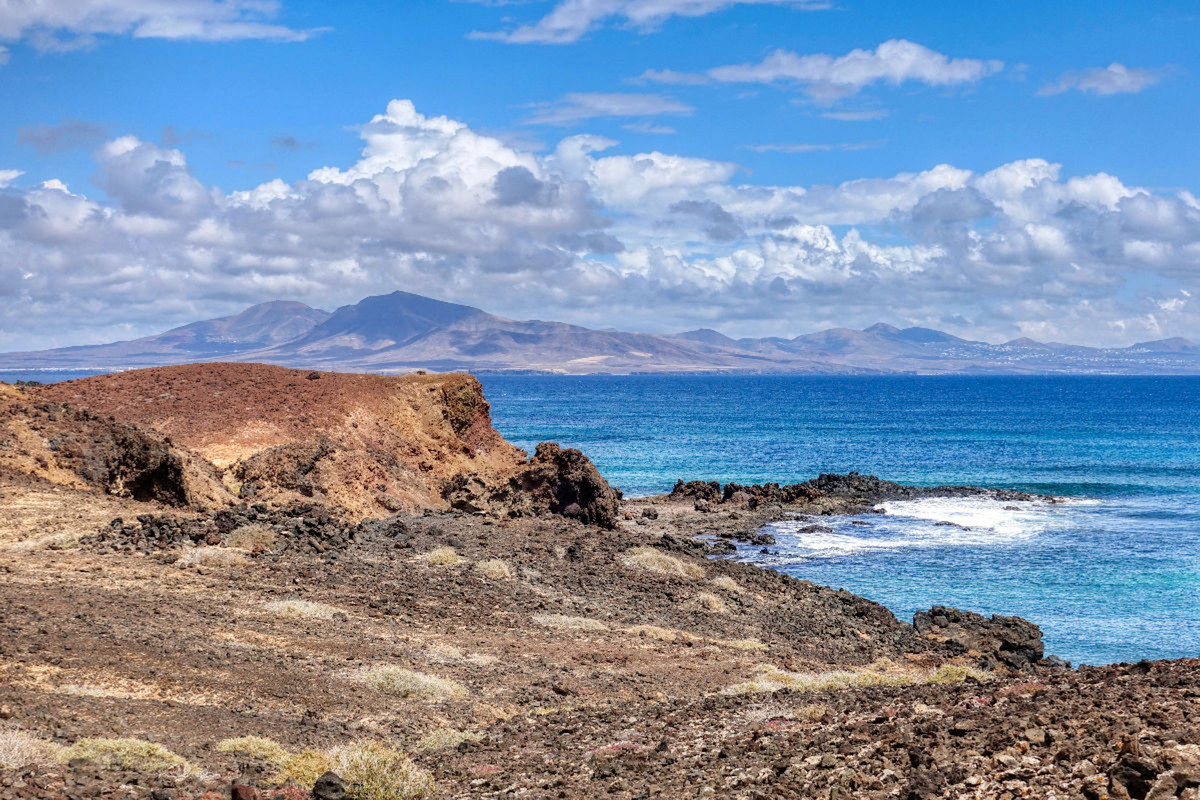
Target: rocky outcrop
828,493
556,480
74,447
1011,641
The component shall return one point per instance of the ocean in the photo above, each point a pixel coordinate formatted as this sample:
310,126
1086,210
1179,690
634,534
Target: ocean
1112,574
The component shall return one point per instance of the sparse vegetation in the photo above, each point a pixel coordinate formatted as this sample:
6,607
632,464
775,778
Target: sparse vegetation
131,754
652,560
727,583
653,632
409,683
712,603
447,739
302,608
955,673
375,772
564,621
255,538
769,678
21,749
254,747
303,768
443,557
495,569
212,557
442,653
741,644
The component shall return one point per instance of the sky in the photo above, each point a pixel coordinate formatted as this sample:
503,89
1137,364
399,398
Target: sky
761,167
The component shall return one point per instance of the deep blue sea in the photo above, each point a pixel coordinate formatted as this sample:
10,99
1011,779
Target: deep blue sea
1111,575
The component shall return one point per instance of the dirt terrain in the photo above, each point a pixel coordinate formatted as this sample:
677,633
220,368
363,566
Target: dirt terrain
474,653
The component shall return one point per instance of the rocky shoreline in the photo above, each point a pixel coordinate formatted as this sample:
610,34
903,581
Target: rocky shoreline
319,617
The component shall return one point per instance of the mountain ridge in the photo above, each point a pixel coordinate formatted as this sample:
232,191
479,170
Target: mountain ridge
403,331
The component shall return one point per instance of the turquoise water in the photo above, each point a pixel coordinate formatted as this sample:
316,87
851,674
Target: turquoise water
1112,576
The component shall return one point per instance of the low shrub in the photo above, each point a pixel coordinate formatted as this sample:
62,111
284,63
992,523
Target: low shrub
727,583
769,678
255,538
442,653
495,569
292,609
653,632
131,754
711,603
564,621
447,739
303,768
254,747
21,749
409,683
443,557
212,557
741,644
955,673
652,560
375,772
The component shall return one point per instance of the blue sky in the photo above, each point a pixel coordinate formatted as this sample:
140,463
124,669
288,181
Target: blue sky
765,168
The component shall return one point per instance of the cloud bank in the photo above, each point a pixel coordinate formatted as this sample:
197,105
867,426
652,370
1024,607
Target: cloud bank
586,233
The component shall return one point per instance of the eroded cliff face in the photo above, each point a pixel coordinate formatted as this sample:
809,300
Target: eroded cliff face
81,450
369,445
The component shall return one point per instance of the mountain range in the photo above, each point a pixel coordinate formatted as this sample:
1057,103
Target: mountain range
403,332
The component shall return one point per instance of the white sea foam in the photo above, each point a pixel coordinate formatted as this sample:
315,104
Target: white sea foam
926,523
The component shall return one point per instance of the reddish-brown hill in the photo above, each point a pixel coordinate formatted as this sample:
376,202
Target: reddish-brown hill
371,444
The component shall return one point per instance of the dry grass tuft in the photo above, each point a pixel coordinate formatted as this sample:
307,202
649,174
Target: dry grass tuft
20,749
712,603
409,683
447,739
769,678
293,609
954,673
574,623
495,569
131,754
653,632
443,653
375,772
303,768
727,583
255,538
741,644
212,557
443,557
652,560
255,747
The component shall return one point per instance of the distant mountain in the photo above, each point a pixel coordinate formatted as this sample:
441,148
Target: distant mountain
404,331
258,326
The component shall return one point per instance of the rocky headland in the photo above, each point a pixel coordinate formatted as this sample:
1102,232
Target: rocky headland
239,581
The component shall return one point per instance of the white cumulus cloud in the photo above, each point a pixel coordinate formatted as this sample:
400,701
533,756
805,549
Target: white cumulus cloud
591,234
1114,79
827,77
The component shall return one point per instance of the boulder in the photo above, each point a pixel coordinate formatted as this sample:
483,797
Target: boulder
1012,641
